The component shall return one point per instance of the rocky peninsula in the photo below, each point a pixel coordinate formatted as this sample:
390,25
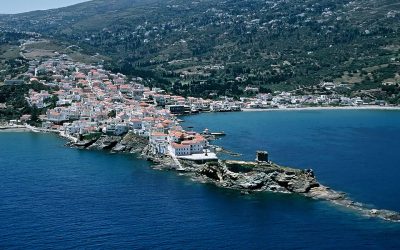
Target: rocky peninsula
244,176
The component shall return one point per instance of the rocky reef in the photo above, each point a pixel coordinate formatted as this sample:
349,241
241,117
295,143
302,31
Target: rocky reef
266,176
248,177
244,176
255,176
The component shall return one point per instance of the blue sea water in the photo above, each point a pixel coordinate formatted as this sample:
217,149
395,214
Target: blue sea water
55,197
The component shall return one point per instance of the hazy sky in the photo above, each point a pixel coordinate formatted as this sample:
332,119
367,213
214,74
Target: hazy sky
18,6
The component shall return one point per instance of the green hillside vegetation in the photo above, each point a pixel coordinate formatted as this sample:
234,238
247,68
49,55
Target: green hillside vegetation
11,62
208,47
14,104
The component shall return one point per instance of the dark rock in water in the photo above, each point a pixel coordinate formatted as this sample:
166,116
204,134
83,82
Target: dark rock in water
210,172
385,214
392,216
84,144
109,144
105,143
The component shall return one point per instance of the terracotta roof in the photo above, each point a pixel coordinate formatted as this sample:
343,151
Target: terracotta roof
191,142
200,138
148,119
176,145
158,134
176,133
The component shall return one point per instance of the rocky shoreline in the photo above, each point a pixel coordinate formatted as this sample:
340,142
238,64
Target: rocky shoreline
130,143
244,176
250,177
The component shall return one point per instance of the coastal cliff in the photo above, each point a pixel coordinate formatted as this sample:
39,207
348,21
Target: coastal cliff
244,176
129,143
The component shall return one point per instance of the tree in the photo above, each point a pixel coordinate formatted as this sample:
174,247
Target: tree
112,114
35,112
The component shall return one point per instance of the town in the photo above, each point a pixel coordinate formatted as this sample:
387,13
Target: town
91,101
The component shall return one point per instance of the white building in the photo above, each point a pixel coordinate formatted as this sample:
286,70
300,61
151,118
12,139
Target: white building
180,149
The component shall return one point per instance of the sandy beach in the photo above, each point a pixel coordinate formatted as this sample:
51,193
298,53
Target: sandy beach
326,108
14,129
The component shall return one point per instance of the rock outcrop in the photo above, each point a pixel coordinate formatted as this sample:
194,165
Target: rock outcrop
105,143
253,176
129,143
265,176
244,176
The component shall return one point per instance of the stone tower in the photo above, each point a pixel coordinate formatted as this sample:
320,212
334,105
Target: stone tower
262,156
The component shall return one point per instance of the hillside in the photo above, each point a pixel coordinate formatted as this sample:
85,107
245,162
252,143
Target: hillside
221,46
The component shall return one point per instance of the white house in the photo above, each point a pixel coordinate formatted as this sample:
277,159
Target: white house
158,142
135,123
180,149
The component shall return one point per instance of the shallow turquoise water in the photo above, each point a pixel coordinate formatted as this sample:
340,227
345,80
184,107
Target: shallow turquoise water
55,197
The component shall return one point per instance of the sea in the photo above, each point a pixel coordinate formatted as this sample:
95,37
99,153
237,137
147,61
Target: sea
56,197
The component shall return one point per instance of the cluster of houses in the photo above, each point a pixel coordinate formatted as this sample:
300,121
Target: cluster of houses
282,100
91,100
39,99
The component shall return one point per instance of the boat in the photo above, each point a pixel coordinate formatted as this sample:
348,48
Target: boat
222,133
207,132
194,111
